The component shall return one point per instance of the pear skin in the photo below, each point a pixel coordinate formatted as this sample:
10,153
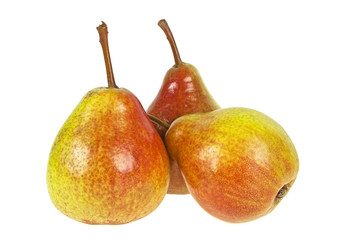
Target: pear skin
238,163
182,92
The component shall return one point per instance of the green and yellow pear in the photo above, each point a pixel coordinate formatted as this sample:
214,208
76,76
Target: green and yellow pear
108,165
238,163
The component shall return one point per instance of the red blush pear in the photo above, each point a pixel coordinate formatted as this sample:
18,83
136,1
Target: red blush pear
182,92
238,163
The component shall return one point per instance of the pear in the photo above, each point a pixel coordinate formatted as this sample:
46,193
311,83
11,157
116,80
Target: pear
108,165
238,163
182,92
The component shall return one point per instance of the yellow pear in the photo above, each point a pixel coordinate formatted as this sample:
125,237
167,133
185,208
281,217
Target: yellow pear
108,165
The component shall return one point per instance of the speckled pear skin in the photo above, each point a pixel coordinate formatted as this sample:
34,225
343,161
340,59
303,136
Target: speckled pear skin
182,92
238,163
108,165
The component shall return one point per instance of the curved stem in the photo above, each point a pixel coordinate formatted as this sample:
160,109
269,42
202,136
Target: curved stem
158,121
103,32
164,26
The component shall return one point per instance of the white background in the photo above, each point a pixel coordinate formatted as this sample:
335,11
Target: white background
286,59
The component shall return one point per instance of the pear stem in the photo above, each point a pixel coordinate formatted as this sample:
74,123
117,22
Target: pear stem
103,32
164,26
158,121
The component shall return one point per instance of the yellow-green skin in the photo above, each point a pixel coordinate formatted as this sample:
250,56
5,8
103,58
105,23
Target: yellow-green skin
238,163
108,165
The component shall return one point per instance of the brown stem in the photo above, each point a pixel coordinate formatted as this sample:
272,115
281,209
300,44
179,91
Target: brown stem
103,32
164,26
158,121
